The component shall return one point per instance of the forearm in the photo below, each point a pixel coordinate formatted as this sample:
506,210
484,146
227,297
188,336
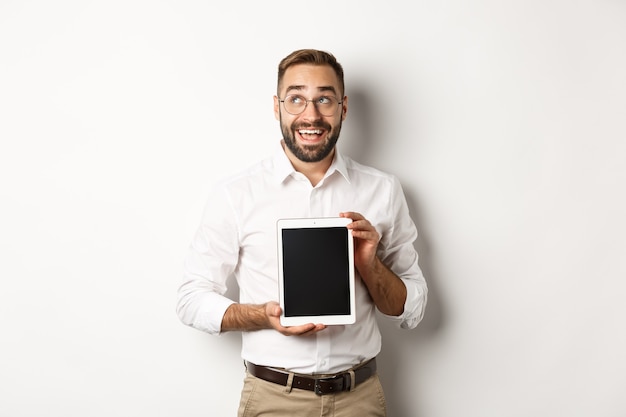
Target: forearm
245,317
386,288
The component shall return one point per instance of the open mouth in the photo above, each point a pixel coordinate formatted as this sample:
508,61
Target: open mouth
310,131
310,135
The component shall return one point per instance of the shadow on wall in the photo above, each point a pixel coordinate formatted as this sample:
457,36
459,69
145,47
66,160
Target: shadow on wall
357,140
397,363
398,358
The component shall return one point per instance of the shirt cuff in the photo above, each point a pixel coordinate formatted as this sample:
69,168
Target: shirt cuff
210,318
413,306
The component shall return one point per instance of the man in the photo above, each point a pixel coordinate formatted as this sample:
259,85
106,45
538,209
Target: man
309,369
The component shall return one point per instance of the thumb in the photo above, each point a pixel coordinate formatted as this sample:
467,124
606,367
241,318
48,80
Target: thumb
273,309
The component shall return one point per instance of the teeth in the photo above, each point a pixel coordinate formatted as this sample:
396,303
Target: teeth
310,132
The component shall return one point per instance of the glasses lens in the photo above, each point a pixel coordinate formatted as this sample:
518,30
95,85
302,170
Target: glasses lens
295,104
326,105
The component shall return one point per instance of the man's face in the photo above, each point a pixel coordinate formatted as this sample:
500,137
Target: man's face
310,136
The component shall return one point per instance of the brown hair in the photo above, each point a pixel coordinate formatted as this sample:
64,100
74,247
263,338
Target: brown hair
313,57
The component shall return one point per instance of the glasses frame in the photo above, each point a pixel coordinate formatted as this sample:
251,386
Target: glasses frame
306,104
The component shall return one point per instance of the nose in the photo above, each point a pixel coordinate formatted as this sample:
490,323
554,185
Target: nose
311,111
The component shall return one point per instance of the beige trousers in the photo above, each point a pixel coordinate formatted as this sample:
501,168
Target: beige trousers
263,398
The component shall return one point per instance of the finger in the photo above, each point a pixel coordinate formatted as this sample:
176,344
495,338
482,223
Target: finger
360,225
352,215
315,329
273,310
303,330
363,230
365,234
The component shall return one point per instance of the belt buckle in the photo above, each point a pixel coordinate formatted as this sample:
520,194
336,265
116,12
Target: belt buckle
327,385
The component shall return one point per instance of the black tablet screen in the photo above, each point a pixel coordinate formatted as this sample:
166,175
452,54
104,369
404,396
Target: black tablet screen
316,271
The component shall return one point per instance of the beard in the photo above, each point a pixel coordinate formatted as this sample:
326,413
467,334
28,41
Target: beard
310,153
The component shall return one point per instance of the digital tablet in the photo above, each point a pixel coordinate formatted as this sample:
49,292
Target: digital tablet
316,271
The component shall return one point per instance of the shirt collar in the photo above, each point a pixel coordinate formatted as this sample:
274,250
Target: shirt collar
283,167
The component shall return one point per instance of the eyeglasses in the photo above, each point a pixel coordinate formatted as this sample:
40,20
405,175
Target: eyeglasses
296,104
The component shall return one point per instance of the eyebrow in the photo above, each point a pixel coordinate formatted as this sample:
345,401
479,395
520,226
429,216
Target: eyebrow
321,89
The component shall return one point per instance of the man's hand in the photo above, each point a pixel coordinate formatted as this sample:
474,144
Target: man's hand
386,288
366,241
250,317
273,311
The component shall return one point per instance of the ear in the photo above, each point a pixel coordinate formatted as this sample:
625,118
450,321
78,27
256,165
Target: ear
276,108
344,108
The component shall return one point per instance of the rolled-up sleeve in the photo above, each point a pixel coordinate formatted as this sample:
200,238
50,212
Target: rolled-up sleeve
211,260
398,252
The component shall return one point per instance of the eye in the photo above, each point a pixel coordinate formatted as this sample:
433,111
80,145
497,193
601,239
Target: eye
324,100
295,99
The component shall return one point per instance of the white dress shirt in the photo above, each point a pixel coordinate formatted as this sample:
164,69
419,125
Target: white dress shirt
237,236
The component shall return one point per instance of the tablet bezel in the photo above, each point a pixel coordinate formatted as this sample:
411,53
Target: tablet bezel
313,223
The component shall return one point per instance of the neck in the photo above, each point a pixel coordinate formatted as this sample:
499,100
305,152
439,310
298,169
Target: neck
314,171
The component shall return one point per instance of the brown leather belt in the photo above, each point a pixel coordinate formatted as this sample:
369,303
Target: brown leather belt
327,385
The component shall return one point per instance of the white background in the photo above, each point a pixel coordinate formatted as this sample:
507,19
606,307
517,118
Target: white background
505,122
